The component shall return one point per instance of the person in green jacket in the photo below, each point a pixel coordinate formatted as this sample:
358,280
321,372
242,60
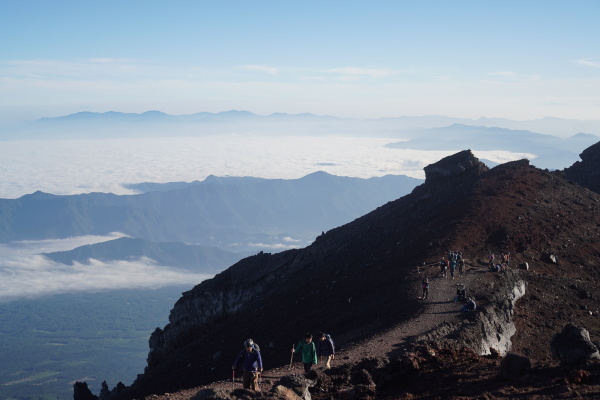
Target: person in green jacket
309,352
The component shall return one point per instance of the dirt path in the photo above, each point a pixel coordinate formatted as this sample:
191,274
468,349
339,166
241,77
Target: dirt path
440,307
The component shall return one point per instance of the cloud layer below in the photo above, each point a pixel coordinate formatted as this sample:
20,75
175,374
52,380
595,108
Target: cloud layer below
83,166
26,274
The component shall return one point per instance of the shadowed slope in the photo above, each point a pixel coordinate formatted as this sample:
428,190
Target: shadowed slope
359,279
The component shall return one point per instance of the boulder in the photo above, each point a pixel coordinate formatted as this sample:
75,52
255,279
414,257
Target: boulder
514,365
284,393
362,377
573,346
298,384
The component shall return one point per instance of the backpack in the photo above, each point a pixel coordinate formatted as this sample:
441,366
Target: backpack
328,338
254,345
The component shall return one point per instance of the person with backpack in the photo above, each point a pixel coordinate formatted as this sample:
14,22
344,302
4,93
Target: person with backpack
252,366
255,345
326,349
309,352
452,268
443,267
470,306
425,286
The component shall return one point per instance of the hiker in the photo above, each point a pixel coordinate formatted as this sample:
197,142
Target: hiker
443,267
326,348
251,364
452,268
309,352
425,286
461,266
461,293
506,257
491,257
470,306
255,345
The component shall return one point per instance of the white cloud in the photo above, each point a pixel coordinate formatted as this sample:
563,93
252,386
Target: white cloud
368,72
36,276
261,68
24,274
589,62
503,73
273,246
73,167
502,157
31,247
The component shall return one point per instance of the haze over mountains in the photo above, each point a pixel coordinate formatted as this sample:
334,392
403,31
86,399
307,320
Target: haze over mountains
153,123
551,152
232,213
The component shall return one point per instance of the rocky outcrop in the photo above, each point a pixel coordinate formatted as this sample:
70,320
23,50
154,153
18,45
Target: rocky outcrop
217,298
454,165
587,171
573,346
81,391
490,327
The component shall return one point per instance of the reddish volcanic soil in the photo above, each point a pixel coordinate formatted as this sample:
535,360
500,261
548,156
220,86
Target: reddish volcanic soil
530,213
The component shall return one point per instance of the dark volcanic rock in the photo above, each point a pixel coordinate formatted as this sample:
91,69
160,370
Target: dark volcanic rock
82,392
587,171
298,384
514,366
573,346
360,278
453,165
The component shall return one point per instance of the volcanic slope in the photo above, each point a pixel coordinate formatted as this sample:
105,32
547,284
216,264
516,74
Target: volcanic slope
360,279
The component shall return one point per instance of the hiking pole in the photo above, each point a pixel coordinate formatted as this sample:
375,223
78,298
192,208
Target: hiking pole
292,356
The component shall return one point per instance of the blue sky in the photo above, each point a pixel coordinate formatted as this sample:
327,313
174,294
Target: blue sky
513,59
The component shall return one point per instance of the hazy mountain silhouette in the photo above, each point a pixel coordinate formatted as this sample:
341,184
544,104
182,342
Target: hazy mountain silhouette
197,259
552,152
222,212
158,124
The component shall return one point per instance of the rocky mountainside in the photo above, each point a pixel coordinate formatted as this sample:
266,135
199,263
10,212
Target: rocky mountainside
360,280
587,171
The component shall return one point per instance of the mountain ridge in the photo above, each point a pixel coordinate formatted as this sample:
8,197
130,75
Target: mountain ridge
231,213
115,124
364,270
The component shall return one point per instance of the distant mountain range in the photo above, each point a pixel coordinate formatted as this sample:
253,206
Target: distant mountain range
196,259
552,152
155,123
240,214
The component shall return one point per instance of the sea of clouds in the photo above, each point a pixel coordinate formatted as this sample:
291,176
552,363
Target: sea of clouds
82,166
